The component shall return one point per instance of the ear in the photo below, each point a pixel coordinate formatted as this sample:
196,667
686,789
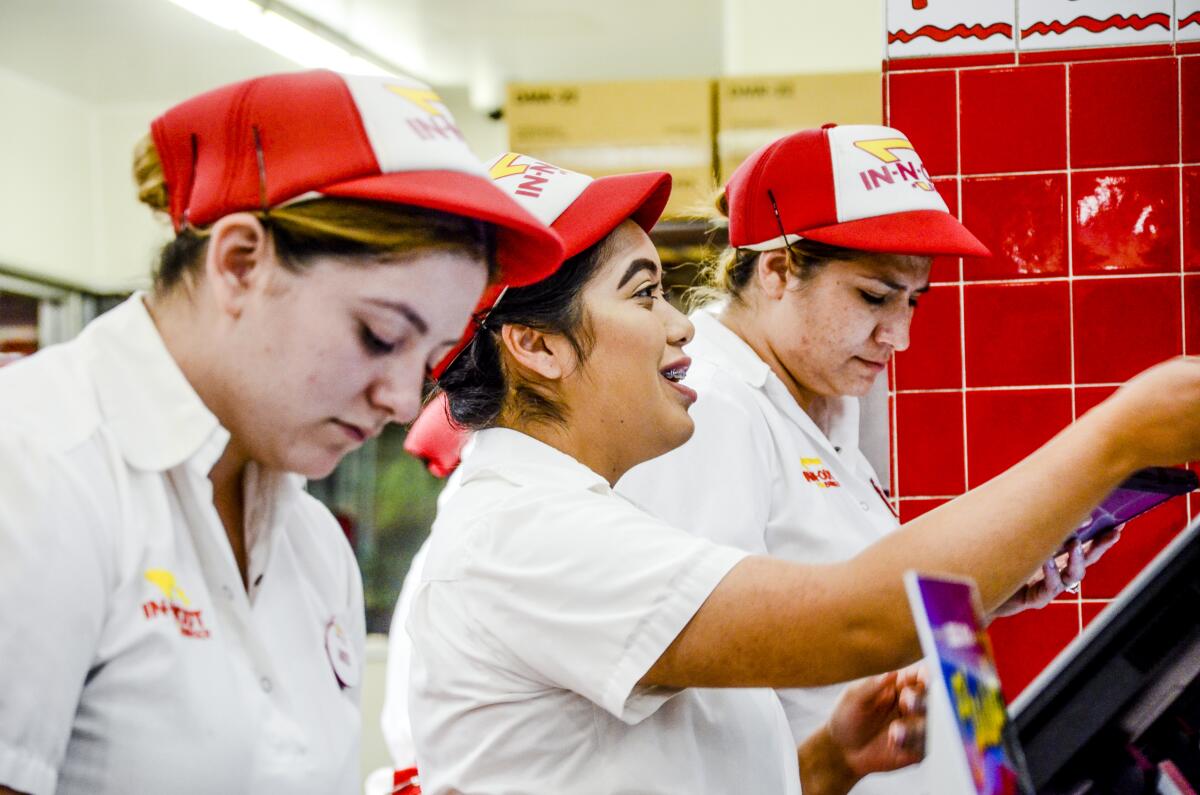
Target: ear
238,260
548,356
771,271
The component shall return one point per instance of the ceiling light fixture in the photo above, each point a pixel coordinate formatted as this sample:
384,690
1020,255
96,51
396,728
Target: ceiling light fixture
290,34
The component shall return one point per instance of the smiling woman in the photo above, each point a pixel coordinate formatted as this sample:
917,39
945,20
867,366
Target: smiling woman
203,627
564,640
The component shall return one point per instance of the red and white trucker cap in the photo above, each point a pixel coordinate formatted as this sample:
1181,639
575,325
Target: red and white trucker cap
859,186
582,210
284,138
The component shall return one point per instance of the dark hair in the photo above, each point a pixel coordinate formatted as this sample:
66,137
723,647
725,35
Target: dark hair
479,385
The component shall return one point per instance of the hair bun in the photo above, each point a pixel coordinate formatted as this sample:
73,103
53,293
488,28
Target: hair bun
148,175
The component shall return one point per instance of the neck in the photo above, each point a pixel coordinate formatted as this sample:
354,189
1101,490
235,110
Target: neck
745,322
580,442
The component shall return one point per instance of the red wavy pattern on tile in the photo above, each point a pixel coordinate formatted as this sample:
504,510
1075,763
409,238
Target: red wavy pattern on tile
1115,22
1191,19
959,31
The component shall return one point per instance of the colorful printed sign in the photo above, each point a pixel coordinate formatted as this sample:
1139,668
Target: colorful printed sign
971,746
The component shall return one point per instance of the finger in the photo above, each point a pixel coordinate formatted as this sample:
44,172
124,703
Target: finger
907,737
1052,585
912,701
1076,568
1101,544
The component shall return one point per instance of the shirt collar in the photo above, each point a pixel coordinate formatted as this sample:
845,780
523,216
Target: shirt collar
521,459
716,343
719,345
154,414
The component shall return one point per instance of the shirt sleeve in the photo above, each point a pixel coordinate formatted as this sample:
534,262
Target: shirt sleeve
587,592
718,484
54,583
397,729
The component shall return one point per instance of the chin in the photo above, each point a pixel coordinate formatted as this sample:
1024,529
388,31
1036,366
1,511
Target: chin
676,433
314,464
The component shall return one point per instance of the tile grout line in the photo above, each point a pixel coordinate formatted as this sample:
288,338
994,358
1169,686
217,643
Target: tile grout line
1082,170
962,272
1084,277
1070,219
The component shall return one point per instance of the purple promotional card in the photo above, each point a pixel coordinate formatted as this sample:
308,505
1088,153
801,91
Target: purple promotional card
949,622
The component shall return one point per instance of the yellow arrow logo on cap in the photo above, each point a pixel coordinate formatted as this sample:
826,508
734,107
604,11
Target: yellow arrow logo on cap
506,167
882,148
423,98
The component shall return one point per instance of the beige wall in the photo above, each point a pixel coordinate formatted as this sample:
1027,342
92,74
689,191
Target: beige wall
68,208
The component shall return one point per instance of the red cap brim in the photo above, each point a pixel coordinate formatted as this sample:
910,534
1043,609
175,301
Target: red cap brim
608,201
602,206
526,250
922,232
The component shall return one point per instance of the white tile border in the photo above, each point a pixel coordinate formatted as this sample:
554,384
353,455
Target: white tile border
919,28
1066,24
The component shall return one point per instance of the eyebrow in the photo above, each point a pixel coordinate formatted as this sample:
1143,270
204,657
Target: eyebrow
410,314
636,267
900,287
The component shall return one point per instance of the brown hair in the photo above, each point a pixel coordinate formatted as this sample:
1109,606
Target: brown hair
726,275
318,227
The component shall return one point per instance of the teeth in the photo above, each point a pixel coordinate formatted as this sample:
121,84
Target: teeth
676,374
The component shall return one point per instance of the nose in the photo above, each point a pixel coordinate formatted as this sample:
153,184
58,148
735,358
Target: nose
894,330
680,330
396,390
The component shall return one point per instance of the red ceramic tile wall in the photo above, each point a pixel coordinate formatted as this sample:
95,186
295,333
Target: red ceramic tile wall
925,105
1017,334
946,268
1081,172
1022,219
1025,643
934,356
1004,426
1125,221
1191,308
1191,217
994,137
1189,93
929,441
1122,326
1125,112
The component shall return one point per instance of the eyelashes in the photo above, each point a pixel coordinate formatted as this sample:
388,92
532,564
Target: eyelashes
373,344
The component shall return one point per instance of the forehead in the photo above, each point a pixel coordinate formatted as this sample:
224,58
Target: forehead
904,268
625,245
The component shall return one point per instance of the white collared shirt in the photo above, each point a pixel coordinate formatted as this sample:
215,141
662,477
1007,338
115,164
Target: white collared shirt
759,474
132,659
545,599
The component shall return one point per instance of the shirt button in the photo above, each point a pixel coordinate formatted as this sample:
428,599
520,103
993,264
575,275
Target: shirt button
266,684
864,506
225,589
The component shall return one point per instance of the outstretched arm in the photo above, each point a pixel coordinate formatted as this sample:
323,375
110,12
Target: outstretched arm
772,623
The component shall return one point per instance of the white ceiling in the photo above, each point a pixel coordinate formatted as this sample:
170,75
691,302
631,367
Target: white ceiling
134,51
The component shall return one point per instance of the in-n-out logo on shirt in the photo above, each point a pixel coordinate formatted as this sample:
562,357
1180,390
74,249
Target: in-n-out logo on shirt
816,473
174,603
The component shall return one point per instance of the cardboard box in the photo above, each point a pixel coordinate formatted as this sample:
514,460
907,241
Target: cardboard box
752,111
610,128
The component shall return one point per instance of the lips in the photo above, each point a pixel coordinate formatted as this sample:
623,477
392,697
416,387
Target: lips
677,370
674,373
359,433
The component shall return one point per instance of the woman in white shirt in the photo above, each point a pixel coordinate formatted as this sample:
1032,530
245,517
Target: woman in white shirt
826,264
179,616
565,641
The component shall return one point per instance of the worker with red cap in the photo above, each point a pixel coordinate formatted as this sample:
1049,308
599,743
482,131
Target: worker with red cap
180,616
